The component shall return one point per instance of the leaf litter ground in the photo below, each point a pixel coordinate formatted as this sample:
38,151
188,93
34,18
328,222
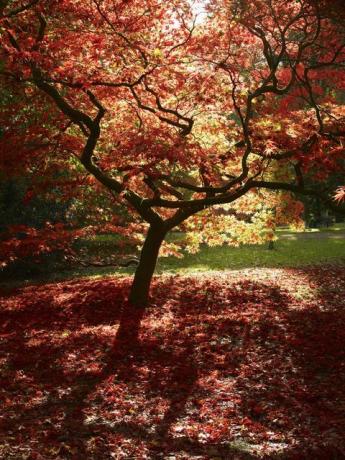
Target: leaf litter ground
232,365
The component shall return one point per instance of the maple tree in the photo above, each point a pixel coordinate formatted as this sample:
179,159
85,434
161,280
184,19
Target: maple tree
172,113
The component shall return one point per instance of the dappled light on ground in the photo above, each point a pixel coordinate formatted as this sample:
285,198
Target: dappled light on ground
243,365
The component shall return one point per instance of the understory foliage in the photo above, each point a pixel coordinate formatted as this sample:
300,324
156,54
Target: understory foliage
248,365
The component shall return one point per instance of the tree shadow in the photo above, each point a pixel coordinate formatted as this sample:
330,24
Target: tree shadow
301,338
221,368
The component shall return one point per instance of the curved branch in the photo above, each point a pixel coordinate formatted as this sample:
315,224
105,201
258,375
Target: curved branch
20,9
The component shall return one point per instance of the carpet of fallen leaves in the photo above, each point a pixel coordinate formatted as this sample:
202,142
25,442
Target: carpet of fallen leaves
232,365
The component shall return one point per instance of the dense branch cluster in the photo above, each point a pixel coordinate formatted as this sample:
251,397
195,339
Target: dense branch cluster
174,112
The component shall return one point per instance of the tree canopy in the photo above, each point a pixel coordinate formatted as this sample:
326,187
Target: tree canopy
175,107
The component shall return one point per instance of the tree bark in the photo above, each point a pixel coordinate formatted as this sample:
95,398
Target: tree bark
139,294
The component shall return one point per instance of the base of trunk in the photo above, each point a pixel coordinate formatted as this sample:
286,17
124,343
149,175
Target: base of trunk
139,295
128,332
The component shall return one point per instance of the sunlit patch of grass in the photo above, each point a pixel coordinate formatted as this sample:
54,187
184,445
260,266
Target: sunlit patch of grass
339,226
287,253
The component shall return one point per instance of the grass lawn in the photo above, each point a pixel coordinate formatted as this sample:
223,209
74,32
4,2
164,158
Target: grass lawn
339,226
290,251
287,253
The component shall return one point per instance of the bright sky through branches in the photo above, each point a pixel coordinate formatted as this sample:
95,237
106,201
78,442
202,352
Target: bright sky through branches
198,8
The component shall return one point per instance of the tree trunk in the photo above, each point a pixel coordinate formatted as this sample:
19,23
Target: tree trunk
271,245
139,294
142,279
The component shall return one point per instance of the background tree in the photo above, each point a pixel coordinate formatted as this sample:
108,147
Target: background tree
173,115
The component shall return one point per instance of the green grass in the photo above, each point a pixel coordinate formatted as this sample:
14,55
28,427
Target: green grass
104,244
287,253
340,226
291,250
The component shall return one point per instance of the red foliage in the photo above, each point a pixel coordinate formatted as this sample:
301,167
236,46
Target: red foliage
171,112
340,194
32,242
236,366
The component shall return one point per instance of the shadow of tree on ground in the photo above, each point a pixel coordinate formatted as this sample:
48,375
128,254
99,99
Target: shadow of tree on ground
230,365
